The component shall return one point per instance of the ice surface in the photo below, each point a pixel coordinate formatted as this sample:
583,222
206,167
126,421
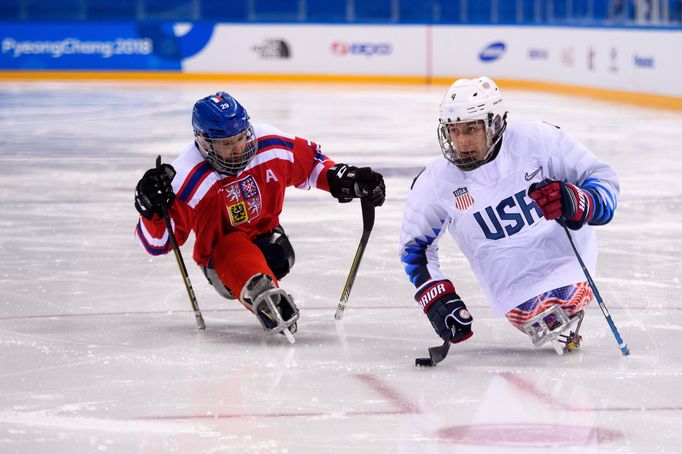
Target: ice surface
98,346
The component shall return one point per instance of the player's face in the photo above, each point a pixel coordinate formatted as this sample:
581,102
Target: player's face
469,139
231,148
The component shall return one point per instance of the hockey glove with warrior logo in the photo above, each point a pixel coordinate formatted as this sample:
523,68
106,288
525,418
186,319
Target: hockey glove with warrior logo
446,310
347,182
558,199
154,190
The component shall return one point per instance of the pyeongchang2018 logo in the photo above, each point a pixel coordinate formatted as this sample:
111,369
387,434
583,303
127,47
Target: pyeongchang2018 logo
493,51
343,49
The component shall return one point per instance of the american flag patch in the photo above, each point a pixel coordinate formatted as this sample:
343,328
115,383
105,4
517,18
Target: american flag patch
243,200
463,200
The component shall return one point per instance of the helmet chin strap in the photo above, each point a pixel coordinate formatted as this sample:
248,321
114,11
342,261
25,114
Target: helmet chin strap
495,146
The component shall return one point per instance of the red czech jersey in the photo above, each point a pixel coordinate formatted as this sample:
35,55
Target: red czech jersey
212,204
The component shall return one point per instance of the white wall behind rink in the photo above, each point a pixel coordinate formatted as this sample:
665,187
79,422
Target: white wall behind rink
630,60
314,49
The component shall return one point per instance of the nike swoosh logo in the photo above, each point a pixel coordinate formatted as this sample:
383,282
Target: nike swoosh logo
342,172
530,177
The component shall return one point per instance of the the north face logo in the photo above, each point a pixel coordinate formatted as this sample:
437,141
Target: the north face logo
273,48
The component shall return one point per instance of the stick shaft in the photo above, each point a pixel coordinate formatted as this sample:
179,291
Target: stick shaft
367,225
621,343
181,263
345,294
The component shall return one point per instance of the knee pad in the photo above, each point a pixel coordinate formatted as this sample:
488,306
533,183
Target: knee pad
217,284
278,251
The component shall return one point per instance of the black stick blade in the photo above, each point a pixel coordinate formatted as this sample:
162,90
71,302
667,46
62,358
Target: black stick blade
423,362
436,354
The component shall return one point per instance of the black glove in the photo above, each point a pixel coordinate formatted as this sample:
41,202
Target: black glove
446,311
558,199
347,182
154,190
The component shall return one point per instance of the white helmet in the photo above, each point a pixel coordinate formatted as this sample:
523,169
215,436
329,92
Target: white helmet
471,100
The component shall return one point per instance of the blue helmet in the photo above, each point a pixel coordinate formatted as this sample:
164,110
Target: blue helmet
223,133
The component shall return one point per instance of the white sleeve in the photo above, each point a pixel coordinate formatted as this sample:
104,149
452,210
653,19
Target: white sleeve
424,221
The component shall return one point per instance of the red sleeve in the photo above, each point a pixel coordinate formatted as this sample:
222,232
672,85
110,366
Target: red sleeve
310,166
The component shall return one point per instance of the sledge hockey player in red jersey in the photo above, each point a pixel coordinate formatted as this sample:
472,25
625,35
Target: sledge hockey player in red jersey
498,189
228,188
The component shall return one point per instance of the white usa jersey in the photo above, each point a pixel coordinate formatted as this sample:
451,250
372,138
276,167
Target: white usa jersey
515,253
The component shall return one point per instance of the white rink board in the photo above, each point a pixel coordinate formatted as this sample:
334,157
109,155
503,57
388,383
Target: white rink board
635,60
630,60
314,49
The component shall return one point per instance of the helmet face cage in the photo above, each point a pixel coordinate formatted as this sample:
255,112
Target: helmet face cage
213,150
494,127
223,133
471,100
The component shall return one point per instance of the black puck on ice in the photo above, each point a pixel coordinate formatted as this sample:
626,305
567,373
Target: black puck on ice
423,362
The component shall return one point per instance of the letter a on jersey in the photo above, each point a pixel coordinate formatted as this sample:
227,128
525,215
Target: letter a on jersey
243,200
270,175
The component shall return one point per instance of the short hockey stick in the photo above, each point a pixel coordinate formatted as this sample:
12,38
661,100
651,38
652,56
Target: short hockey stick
181,263
367,225
436,354
621,343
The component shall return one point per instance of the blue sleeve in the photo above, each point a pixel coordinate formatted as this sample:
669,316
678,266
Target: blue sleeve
423,222
604,201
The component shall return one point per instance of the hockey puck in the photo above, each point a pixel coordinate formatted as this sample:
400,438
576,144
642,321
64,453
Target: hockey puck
423,362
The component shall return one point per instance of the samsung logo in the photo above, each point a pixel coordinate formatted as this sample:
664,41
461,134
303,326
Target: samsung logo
492,52
644,62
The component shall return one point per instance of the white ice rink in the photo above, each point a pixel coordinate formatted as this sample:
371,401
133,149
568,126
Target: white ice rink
98,347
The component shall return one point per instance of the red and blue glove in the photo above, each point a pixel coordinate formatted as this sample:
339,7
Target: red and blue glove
561,200
446,310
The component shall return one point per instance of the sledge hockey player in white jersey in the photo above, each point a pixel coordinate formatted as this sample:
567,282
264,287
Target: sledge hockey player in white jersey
503,190
228,187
